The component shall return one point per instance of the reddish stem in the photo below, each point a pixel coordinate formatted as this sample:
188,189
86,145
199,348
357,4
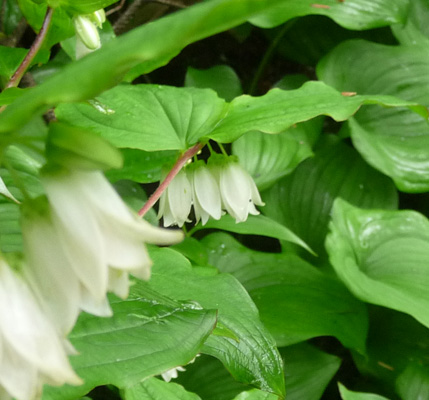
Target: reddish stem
174,171
34,49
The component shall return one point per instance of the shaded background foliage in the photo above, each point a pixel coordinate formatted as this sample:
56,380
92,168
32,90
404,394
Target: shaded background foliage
323,290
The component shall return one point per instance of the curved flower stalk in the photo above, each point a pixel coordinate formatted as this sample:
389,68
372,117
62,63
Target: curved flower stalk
176,201
85,243
205,192
238,191
31,352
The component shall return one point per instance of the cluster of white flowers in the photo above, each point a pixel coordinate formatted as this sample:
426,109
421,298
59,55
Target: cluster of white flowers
79,243
221,185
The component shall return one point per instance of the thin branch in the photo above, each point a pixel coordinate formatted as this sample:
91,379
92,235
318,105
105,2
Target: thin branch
174,171
34,49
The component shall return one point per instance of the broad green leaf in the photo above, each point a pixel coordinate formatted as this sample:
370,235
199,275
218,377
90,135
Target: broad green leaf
82,6
210,380
413,383
141,166
255,395
156,389
278,109
61,24
311,37
10,95
395,141
149,117
415,30
255,225
349,395
271,157
147,335
11,58
79,148
307,371
351,14
382,257
221,78
395,341
254,358
149,47
302,201
10,16
295,300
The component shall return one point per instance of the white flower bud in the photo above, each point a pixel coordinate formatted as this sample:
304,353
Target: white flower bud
87,32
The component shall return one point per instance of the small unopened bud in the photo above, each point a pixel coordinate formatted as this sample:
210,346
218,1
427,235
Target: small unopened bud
87,32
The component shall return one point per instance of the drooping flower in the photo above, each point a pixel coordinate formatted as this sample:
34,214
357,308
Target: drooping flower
172,373
31,352
205,192
87,241
238,191
87,36
176,201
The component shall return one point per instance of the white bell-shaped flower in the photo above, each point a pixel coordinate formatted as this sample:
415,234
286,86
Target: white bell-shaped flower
176,201
92,241
31,352
238,190
205,192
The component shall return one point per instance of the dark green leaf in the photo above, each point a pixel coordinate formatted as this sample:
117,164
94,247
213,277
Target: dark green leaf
83,6
307,371
349,395
255,225
147,335
156,389
302,201
395,141
296,301
253,359
270,157
351,14
221,78
413,383
382,257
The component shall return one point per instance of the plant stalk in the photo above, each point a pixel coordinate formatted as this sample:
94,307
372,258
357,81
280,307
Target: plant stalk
174,171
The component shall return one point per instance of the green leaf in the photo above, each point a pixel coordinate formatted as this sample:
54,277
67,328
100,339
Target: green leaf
296,301
10,17
149,117
382,257
302,201
253,359
395,141
278,109
413,383
142,166
210,380
351,14
79,148
156,389
147,335
349,395
307,371
395,341
61,26
271,157
221,78
10,95
255,225
83,6
148,47
255,395
415,30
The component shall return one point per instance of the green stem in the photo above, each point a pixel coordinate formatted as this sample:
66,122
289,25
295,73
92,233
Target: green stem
267,57
34,49
222,149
